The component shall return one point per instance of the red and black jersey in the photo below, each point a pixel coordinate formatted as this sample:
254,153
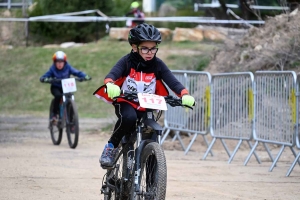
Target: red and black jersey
149,79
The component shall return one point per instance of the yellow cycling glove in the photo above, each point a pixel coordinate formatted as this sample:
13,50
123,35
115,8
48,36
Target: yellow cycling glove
188,100
112,90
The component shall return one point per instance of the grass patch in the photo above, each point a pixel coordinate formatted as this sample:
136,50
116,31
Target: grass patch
204,61
21,68
189,62
197,46
182,62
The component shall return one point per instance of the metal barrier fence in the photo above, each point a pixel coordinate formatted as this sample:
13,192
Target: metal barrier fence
275,111
194,122
297,136
241,106
232,109
15,3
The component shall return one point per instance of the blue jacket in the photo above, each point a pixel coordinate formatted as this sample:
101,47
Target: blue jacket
65,72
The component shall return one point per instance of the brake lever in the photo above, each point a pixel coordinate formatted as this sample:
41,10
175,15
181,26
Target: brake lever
187,107
55,80
177,102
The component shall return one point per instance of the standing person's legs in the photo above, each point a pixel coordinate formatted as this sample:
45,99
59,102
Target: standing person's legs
57,93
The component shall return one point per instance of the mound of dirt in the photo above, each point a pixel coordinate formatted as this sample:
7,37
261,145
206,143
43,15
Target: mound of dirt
274,46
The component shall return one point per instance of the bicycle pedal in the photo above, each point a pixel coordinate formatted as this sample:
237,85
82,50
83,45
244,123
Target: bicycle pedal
107,167
103,190
111,186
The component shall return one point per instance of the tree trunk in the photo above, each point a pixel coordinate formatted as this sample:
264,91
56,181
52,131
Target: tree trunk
244,9
224,9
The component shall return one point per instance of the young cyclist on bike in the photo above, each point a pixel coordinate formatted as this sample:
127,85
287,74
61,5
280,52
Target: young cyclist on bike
139,71
60,69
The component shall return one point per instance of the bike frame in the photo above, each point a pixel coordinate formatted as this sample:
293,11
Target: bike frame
63,112
65,99
133,165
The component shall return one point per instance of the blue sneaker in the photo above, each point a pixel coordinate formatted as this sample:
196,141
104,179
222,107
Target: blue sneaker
108,156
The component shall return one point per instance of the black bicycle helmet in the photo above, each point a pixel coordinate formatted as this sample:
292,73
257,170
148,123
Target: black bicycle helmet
144,32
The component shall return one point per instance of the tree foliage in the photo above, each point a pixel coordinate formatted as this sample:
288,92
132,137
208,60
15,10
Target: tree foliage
179,4
79,32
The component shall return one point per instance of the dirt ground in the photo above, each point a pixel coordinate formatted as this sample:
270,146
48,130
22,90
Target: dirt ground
32,168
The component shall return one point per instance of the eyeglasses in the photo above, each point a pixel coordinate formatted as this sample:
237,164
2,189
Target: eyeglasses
59,61
146,50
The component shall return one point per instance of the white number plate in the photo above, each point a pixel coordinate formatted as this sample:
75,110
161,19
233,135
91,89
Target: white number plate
152,101
69,85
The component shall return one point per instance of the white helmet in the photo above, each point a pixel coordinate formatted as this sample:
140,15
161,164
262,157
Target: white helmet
59,55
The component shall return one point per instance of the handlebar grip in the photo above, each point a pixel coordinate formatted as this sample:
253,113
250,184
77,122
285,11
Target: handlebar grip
125,92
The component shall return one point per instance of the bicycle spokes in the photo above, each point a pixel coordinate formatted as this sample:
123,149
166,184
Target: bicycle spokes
149,178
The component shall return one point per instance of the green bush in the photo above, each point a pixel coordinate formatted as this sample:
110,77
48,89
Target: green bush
78,32
203,62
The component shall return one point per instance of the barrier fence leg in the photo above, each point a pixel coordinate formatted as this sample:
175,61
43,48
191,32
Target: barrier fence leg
174,138
225,147
251,152
191,143
180,140
294,153
293,165
256,156
277,158
165,135
268,151
206,142
209,148
234,152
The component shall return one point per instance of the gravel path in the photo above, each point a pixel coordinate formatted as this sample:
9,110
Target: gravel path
32,168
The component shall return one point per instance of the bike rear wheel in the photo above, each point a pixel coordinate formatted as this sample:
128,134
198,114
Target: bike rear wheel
55,129
72,124
153,179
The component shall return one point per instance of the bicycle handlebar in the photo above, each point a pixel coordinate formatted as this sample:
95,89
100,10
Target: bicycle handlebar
53,80
172,101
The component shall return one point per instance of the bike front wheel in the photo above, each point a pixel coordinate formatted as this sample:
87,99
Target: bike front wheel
153,179
54,127
72,124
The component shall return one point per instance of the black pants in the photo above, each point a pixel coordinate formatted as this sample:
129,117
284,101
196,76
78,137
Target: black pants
127,118
57,93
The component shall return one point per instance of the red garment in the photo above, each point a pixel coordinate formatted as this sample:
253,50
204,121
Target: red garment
127,78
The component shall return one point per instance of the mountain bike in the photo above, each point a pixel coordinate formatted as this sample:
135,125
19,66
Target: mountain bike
140,170
68,115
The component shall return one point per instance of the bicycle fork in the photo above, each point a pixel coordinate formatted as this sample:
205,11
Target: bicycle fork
137,166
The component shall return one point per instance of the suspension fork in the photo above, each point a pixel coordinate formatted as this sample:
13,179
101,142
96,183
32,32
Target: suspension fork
159,139
130,161
64,103
66,99
137,164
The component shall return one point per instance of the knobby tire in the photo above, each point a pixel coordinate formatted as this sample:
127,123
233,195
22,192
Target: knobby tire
72,124
55,130
153,179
